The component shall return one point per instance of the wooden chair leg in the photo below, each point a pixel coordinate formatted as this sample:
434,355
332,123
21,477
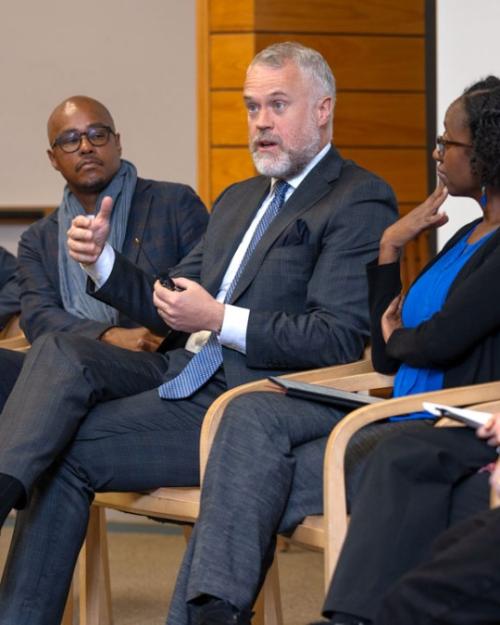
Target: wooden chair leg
268,605
95,587
187,530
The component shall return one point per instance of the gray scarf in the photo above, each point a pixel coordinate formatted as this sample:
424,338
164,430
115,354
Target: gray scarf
72,278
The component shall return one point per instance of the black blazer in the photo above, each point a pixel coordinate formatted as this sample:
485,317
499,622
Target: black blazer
9,288
463,339
166,220
305,284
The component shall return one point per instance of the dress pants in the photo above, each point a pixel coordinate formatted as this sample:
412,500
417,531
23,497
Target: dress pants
10,367
264,475
85,417
414,486
458,585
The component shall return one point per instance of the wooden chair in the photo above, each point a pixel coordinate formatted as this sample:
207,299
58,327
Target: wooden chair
12,337
322,532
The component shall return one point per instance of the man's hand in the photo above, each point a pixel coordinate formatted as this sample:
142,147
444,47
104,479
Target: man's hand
391,319
87,235
135,339
189,310
423,217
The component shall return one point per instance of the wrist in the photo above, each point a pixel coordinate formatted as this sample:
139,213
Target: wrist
389,252
218,318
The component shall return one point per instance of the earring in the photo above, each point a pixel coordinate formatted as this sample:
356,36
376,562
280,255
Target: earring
483,200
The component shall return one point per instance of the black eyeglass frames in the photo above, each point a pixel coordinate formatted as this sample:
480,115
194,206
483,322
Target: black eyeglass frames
71,140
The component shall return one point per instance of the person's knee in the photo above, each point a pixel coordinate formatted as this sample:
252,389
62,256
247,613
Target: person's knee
406,455
253,412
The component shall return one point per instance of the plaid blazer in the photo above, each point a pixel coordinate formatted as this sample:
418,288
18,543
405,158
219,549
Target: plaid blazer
166,220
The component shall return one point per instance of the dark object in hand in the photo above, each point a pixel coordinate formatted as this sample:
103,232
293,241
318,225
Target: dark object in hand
169,284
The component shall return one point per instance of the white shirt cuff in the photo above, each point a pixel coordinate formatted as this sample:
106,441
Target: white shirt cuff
233,333
100,271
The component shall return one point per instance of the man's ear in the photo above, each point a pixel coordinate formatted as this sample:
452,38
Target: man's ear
325,110
53,160
118,143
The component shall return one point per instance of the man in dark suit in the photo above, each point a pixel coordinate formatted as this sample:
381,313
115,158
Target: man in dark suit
154,225
157,226
277,284
9,288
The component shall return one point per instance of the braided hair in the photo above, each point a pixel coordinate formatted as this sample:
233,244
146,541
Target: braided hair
482,106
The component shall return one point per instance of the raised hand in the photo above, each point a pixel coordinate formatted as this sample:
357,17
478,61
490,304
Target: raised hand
425,216
88,234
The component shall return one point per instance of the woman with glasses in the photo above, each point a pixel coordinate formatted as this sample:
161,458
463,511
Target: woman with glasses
445,333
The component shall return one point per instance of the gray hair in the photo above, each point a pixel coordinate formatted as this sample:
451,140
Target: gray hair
310,61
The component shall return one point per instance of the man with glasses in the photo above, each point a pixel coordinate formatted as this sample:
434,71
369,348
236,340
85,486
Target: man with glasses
153,224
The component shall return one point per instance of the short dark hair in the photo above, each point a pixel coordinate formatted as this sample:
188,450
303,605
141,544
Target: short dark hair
482,106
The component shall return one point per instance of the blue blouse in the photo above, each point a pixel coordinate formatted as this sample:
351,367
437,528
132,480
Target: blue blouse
425,298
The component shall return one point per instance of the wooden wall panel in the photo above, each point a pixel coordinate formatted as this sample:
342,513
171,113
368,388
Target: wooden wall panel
232,15
380,119
228,165
404,169
229,59
340,16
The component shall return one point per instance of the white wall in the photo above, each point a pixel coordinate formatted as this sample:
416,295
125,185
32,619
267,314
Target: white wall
138,58
468,48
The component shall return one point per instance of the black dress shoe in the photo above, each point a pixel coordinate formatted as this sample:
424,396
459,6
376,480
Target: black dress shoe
219,612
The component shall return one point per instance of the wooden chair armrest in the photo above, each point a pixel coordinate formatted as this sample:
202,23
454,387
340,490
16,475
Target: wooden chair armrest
343,374
335,505
17,343
11,328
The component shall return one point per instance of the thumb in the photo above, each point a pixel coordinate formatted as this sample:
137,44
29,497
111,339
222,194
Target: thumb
105,209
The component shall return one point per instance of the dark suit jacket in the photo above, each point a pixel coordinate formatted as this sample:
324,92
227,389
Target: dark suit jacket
463,338
9,288
166,220
305,284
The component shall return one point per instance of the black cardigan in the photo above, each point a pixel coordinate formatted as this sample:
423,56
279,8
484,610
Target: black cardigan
463,338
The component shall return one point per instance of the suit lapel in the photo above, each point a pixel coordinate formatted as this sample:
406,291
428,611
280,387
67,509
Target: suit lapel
314,187
235,223
137,221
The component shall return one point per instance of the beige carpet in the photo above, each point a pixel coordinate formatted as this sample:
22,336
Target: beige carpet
144,563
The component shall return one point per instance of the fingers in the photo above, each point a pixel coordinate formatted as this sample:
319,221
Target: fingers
105,208
395,305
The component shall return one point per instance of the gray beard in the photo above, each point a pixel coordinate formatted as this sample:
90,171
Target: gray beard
287,164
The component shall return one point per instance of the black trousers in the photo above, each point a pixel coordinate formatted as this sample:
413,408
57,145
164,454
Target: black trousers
458,585
414,486
11,365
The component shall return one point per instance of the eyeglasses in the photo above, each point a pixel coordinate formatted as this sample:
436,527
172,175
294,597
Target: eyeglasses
442,144
71,140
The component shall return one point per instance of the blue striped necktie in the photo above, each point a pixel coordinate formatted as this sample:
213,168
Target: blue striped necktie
205,363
